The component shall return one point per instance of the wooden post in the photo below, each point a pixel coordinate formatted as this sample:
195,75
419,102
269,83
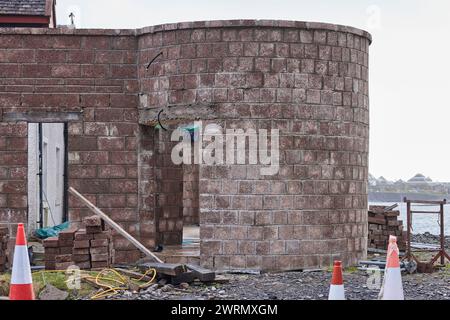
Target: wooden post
114,225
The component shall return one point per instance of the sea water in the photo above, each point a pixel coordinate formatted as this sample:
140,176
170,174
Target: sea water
422,222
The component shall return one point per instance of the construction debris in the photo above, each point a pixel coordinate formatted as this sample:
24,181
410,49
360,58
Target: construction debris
383,222
113,225
176,274
4,237
90,247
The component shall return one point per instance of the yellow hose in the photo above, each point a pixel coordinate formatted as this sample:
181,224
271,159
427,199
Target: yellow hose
104,279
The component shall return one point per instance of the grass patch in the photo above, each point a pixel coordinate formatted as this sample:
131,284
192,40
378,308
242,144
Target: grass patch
352,269
41,279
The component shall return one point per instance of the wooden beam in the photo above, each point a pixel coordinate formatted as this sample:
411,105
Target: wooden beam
177,114
169,269
202,274
48,117
114,225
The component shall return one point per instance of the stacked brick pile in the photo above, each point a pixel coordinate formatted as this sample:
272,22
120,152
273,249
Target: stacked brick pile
90,247
383,223
4,236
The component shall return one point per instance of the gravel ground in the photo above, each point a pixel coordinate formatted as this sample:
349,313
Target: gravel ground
297,286
312,285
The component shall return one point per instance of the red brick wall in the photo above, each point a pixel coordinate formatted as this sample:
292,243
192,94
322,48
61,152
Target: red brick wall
93,72
310,81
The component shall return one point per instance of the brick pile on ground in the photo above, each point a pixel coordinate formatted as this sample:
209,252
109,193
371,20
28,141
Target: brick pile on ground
88,248
51,250
4,237
93,245
382,224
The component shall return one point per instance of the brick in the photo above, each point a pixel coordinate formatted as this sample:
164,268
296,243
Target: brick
77,244
99,250
65,250
93,229
92,221
102,235
50,242
99,257
63,258
51,250
99,264
81,258
80,251
82,235
99,243
67,234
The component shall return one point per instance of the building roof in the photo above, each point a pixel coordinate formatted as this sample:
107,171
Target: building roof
25,7
419,178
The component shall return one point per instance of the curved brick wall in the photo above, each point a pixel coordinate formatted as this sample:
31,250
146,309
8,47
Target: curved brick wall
309,80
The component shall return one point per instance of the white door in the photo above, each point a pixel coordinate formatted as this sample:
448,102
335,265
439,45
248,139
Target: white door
52,174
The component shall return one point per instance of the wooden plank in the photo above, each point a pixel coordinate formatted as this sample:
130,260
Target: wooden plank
38,116
169,269
114,225
201,273
425,201
376,220
186,277
390,208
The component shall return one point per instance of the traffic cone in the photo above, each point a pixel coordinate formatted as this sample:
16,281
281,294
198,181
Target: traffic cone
337,291
21,287
392,288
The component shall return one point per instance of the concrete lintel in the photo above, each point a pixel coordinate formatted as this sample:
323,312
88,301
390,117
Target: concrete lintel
39,116
176,114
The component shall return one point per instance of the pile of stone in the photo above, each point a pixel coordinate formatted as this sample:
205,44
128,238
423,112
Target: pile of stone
4,237
383,222
87,248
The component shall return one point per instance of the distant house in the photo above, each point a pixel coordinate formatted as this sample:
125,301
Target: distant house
419,179
27,13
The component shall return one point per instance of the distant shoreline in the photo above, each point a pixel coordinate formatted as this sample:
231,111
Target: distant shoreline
398,196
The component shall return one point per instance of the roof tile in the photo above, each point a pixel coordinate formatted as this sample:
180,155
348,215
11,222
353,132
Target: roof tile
22,7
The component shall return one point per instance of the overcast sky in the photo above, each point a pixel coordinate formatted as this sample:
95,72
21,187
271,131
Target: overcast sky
409,63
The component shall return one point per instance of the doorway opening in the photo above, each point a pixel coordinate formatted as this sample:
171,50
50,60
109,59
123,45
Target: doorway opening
47,174
177,201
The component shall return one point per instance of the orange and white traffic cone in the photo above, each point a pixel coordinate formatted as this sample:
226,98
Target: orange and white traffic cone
392,288
337,291
21,287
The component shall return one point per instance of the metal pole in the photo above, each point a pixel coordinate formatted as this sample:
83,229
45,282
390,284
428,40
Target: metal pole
408,232
66,174
40,173
442,235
